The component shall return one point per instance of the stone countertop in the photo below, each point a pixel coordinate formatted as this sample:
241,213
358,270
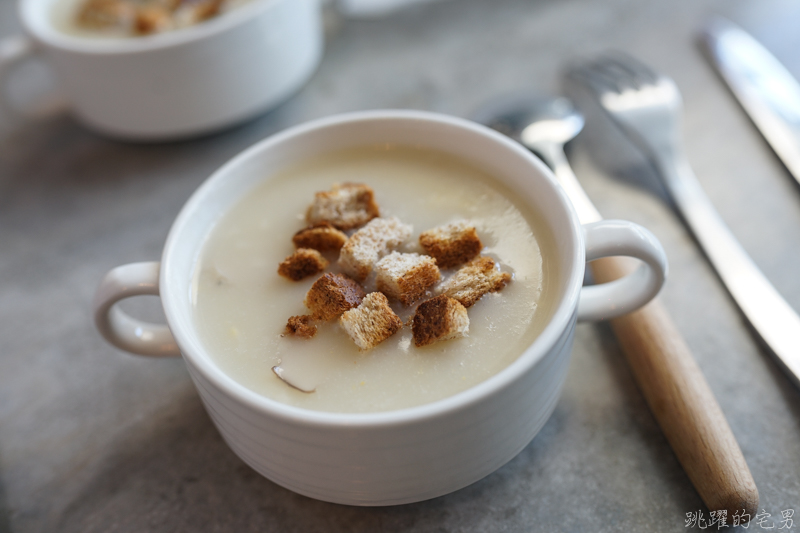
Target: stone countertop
93,439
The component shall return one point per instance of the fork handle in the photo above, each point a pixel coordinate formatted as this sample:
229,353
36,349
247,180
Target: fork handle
682,402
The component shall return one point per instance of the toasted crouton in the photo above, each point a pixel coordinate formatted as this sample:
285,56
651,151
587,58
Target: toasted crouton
105,14
473,280
406,277
370,243
346,206
439,319
302,263
189,13
301,326
372,322
333,294
152,19
321,236
451,244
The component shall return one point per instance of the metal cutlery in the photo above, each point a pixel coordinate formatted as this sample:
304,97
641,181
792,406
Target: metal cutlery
767,91
647,107
663,366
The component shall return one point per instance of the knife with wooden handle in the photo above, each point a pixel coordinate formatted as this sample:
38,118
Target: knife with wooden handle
670,380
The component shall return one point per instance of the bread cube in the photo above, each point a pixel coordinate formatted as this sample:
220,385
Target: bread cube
302,263
321,236
372,322
301,326
331,295
190,13
105,15
473,280
152,18
438,319
451,244
379,237
346,206
406,277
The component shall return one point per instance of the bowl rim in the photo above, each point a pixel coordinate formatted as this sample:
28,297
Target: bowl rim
37,21
561,319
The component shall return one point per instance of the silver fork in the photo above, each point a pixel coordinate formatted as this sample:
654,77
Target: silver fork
647,108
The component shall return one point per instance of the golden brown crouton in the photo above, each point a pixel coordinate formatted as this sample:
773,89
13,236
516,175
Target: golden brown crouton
321,236
451,244
190,12
346,206
473,280
301,326
105,14
439,319
202,9
406,277
152,19
333,294
370,243
171,5
302,263
372,322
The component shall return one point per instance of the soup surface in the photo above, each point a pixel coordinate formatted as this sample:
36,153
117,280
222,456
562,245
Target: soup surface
133,18
241,304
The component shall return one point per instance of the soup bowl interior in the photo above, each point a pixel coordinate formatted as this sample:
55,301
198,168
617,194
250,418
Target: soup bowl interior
46,20
395,456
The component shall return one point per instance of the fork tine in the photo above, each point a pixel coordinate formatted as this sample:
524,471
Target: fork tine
612,69
596,78
615,72
635,68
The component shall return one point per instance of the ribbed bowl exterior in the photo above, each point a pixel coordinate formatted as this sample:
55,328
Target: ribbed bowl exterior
389,464
399,456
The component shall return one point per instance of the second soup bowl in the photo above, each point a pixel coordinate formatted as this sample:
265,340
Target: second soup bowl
179,83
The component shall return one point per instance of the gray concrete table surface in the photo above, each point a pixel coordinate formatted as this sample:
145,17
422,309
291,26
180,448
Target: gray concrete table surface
96,440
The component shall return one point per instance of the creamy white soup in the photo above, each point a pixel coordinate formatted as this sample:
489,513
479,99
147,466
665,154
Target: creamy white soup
241,304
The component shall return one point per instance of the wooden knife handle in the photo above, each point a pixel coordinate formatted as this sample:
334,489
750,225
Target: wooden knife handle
682,402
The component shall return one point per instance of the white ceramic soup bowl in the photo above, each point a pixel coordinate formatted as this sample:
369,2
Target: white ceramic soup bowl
178,83
397,456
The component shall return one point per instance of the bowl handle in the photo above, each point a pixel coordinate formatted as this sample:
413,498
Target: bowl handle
14,51
622,238
119,328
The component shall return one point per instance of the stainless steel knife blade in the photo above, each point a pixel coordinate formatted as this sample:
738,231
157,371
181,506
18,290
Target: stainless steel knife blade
766,90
